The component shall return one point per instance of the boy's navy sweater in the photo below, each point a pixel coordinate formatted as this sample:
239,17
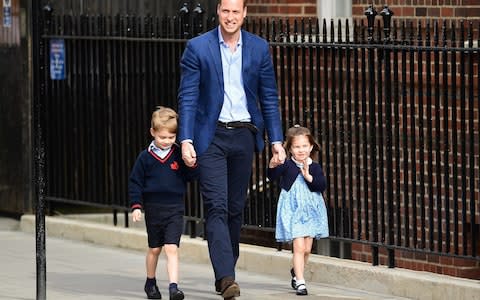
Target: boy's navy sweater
154,180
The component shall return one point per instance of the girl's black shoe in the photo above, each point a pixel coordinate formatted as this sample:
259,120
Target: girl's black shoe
293,282
301,290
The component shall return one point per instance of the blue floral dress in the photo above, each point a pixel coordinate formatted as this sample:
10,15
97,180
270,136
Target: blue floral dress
300,213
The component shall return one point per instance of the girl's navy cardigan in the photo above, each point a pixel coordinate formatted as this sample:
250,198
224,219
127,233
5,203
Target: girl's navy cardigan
289,171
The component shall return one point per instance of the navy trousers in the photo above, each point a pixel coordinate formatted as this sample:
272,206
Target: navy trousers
225,170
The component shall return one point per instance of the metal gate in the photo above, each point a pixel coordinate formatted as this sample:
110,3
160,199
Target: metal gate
394,108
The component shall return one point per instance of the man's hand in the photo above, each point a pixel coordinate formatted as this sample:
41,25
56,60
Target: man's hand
189,155
279,155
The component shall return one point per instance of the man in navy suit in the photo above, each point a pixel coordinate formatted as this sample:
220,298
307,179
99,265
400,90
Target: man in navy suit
227,98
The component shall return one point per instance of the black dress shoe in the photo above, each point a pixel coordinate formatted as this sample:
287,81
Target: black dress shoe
293,282
153,292
176,295
301,290
229,288
218,288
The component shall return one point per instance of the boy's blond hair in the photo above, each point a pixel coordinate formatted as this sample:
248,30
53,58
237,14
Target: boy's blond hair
164,118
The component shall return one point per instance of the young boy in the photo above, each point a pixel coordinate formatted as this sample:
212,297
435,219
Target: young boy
157,184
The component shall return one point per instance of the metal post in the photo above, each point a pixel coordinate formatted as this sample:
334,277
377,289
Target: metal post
387,14
371,13
40,210
184,16
198,13
39,150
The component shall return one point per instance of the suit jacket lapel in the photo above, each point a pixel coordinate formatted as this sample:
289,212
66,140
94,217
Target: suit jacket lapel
216,55
245,55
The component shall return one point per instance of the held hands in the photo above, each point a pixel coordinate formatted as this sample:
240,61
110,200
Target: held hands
278,157
189,155
137,215
273,163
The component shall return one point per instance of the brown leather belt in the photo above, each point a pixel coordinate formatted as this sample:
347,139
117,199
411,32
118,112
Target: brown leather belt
238,124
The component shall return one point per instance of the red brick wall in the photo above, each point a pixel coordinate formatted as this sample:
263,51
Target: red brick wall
414,10
402,9
457,267
421,9
282,8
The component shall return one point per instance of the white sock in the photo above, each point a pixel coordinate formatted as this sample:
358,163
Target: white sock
301,284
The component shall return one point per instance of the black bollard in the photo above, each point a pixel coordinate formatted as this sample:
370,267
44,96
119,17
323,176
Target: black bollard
39,174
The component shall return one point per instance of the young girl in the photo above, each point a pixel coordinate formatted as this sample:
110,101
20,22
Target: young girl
301,212
157,184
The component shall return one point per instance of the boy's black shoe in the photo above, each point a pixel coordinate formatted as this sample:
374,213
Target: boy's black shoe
176,294
153,292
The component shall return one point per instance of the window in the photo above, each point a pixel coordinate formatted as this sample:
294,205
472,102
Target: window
336,10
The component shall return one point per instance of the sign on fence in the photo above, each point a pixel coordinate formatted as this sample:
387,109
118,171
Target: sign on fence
57,59
7,13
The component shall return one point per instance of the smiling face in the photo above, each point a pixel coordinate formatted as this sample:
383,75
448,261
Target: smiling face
163,138
300,148
230,17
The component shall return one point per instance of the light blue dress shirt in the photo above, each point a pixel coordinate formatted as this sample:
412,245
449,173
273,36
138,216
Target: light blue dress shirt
162,153
234,100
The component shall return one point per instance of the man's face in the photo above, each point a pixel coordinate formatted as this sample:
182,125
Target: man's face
230,16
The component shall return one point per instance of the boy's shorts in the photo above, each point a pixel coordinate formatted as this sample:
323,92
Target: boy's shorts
164,224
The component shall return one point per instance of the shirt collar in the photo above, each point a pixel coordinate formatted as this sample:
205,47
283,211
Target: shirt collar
221,41
155,148
300,164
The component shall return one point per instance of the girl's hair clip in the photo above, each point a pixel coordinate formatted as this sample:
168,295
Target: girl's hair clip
296,125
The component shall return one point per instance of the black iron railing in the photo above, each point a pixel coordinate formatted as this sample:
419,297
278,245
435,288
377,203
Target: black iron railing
394,107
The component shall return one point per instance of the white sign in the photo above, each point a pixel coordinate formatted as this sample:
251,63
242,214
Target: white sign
7,13
57,59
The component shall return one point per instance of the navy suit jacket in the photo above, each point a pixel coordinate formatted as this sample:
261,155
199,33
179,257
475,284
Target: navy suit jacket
201,91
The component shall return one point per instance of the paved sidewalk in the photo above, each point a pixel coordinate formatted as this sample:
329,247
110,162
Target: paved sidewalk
82,270
88,258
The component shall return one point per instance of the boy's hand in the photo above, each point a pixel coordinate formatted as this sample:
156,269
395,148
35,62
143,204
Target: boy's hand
189,155
136,215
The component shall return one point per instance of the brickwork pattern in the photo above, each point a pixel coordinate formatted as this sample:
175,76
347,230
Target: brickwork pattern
423,9
445,265
282,8
418,12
